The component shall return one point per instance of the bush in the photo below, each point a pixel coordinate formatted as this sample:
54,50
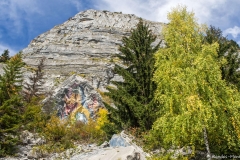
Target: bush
34,118
61,134
56,132
92,131
105,126
55,129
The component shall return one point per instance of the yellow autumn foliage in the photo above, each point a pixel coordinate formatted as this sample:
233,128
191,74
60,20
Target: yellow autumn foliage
60,134
102,119
191,94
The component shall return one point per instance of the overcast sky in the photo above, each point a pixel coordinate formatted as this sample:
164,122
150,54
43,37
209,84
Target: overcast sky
23,20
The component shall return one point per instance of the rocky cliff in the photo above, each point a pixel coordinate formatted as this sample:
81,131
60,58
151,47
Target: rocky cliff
85,45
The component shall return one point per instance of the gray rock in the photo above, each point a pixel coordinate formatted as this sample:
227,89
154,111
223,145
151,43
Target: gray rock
105,144
136,156
85,44
32,155
117,141
28,138
1,68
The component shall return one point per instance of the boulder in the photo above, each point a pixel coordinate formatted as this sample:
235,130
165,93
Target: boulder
118,141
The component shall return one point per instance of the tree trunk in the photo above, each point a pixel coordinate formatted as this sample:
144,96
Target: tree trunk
209,157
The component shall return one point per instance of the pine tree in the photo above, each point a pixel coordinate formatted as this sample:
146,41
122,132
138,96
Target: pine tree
10,104
5,56
133,97
11,81
228,49
10,120
197,109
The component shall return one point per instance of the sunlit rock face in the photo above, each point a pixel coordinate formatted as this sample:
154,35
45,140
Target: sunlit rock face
76,99
2,65
85,44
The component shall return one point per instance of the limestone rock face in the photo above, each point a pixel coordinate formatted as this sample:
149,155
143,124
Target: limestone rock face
85,44
1,68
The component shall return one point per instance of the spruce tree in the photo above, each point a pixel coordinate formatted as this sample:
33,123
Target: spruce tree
5,56
133,97
197,109
10,120
10,104
11,81
228,50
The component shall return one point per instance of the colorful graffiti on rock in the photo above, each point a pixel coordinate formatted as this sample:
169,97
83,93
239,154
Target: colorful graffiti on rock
79,102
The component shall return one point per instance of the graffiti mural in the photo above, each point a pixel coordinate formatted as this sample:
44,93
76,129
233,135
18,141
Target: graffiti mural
77,100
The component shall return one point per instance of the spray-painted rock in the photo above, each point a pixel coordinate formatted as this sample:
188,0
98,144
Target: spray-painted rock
76,99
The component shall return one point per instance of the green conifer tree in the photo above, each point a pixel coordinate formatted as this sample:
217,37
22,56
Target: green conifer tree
10,120
228,49
11,81
10,104
5,56
198,109
134,97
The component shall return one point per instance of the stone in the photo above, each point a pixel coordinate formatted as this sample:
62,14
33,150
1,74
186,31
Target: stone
28,138
1,68
75,97
136,156
32,155
117,141
86,44
105,144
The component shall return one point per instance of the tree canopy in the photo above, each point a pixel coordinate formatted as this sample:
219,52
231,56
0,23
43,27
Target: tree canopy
11,81
198,109
10,104
134,96
228,50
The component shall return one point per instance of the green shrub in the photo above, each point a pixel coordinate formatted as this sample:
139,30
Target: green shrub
55,129
34,118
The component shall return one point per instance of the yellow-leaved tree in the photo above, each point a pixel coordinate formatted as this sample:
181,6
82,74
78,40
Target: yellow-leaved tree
198,109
